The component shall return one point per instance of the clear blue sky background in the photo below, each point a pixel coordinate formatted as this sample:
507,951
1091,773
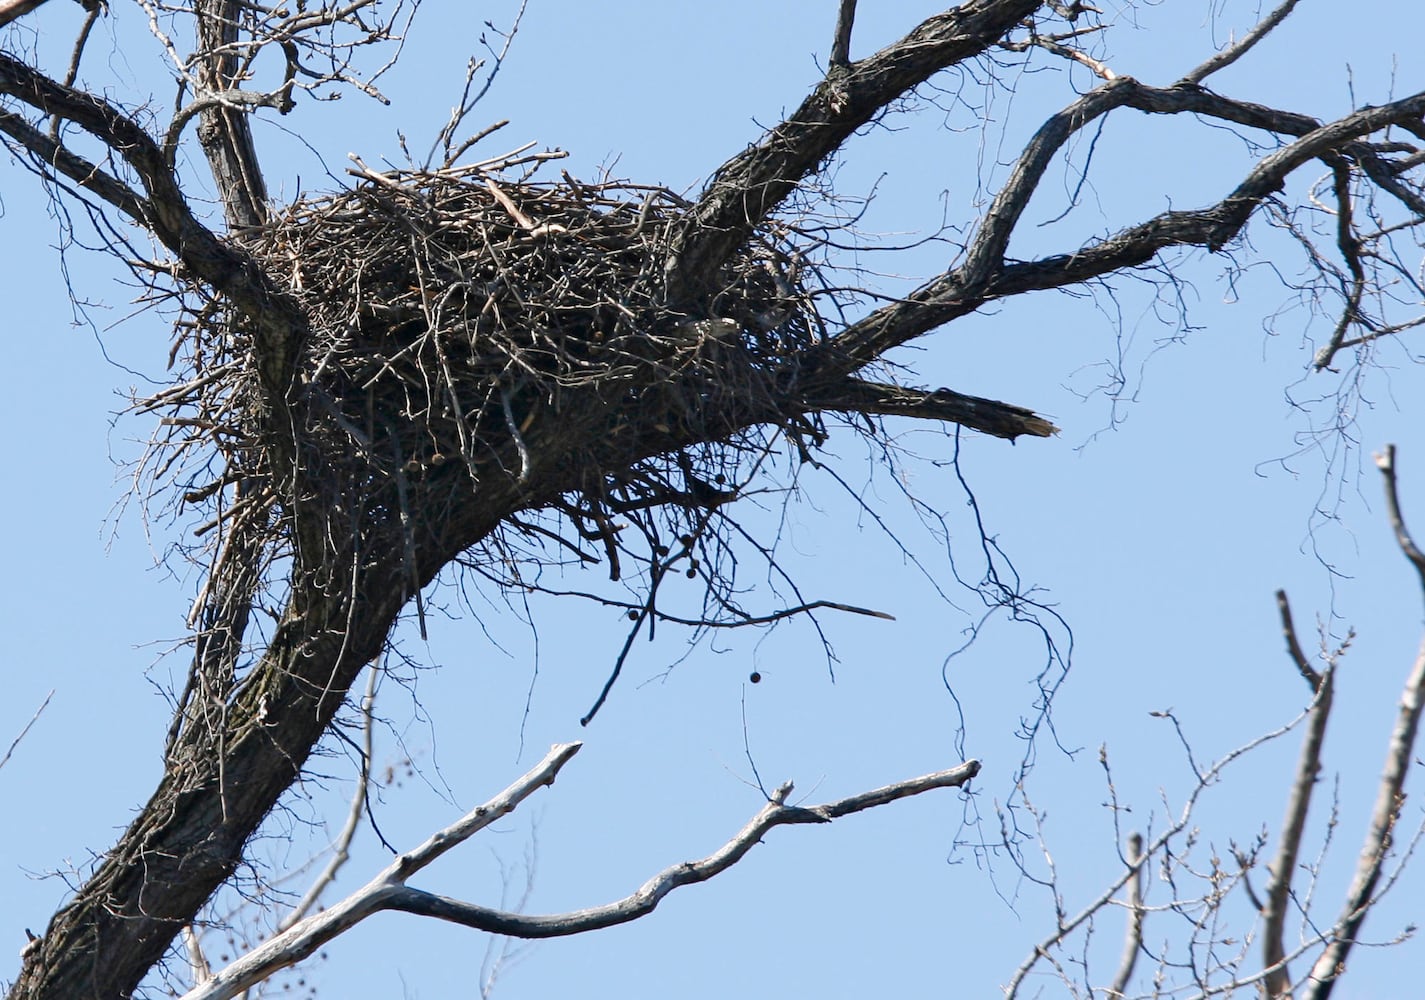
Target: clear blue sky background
1160,541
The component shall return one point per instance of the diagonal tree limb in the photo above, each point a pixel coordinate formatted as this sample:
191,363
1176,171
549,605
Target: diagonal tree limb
5,759
277,321
841,40
389,891
360,801
748,187
1386,463
1276,980
190,836
1293,645
1236,51
12,10
56,160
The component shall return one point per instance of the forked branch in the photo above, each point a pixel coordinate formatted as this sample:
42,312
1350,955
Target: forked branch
748,188
389,891
987,273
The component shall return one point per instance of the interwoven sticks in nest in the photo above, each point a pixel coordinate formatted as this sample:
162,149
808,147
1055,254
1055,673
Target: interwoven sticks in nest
510,335
460,308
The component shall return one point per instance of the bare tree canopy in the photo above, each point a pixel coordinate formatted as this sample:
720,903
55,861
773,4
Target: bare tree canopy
483,364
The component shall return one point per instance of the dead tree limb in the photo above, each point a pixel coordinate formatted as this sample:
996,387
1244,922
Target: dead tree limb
1277,981
1380,838
389,891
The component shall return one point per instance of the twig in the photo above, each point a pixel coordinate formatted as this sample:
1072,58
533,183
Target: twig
509,205
526,463
235,100
1350,246
33,719
1064,927
1232,53
1054,44
1293,647
72,74
1376,333
1386,463
446,137
198,966
362,170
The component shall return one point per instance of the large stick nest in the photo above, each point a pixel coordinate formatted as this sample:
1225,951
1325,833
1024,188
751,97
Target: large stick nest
473,335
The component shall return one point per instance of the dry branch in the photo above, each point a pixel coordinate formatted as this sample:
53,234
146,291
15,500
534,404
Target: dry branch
12,10
1277,981
10,751
1380,837
389,891
1133,926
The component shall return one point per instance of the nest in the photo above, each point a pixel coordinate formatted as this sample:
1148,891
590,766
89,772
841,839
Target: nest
483,344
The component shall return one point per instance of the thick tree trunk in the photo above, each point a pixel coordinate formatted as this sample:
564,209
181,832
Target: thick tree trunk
189,837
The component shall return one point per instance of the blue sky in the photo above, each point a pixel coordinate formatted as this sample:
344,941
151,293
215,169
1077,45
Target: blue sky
1159,529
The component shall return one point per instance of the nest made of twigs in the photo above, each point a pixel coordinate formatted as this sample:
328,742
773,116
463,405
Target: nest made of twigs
511,331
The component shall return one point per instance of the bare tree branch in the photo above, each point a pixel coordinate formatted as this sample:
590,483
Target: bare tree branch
1293,646
1277,982
1380,838
1386,463
11,10
1239,49
165,211
641,397
747,188
226,133
986,275
341,847
1066,925
23,732
852,395
388,891
1133,929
